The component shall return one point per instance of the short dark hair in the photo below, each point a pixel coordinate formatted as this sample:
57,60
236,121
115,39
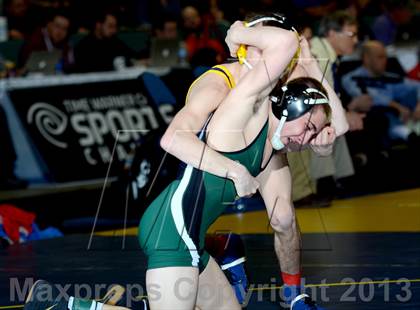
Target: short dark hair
101,15
336,21
59,12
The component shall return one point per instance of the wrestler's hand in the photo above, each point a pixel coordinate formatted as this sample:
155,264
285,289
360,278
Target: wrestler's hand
245,184
232,38
323,143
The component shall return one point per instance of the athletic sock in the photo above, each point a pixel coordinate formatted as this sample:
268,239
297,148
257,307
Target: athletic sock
291,286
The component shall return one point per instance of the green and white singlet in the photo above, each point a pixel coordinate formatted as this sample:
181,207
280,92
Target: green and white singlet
173,228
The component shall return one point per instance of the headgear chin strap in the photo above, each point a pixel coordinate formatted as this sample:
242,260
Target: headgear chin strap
294,100
276,141
281,20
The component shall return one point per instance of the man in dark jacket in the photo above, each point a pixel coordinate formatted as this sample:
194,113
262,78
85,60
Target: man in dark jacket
102,50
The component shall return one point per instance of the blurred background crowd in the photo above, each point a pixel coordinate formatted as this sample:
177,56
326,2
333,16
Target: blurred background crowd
90,33
368,49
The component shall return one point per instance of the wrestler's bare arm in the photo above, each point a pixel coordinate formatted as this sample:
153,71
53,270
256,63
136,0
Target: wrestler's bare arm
308,66
180,138
277,47
338,114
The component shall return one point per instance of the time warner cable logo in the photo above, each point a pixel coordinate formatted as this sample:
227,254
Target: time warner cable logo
50,121
90,125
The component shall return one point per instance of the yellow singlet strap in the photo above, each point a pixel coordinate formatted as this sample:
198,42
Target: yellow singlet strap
225,73
220,70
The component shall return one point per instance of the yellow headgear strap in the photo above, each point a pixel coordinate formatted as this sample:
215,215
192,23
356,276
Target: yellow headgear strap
295,58
241,52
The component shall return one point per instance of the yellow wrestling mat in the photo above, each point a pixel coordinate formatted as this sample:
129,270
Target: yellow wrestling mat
390,212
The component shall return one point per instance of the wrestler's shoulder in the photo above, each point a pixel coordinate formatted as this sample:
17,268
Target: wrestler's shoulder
210,81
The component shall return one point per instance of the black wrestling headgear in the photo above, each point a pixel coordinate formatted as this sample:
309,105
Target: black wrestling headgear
292,100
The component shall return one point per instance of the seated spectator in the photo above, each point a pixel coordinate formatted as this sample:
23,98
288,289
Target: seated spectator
167,27
19,22
218,17
390,93
305,30
200,34
102,50
52,37
385,26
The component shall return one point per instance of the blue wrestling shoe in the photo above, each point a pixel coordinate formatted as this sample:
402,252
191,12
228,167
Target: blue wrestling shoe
294,296
229,252
234,270
304,302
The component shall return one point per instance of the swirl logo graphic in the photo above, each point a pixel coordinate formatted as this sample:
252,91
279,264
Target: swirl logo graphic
50,121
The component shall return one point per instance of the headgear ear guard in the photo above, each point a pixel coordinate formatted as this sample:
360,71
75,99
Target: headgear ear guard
293,100
273,19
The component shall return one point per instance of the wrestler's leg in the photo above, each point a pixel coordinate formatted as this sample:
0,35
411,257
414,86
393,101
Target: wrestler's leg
214,290
172,288
282,219
287,245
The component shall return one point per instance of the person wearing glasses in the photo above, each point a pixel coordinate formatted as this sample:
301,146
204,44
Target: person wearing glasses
337,37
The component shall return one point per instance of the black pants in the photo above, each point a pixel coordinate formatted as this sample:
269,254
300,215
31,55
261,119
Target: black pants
374,137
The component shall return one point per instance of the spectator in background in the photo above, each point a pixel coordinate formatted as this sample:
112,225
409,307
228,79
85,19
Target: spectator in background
201,34
235,9
305,30
19,20
338,36
392,97
365,11
52,37
396,13
218,17
167,28
102,50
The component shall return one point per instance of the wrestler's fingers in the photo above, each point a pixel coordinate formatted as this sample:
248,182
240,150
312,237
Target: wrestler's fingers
319,138
331,135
